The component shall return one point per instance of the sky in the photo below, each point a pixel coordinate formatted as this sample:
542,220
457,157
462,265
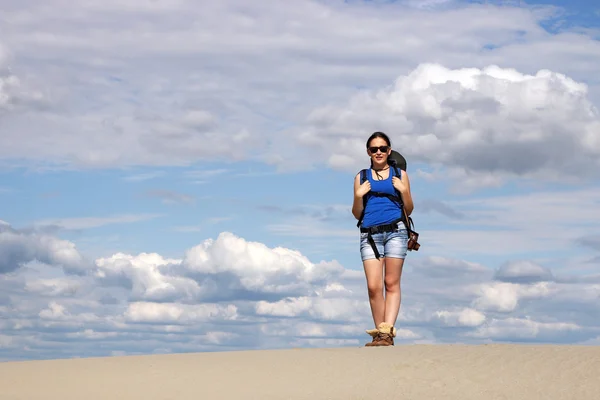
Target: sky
176,176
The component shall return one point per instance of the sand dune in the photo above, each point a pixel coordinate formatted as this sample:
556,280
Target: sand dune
429,372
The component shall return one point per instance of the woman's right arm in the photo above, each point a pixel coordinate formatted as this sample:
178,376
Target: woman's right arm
359,192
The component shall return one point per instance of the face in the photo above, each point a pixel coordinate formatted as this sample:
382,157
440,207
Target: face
381,150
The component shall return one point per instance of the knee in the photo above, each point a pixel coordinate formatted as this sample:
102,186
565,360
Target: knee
375,290
392,285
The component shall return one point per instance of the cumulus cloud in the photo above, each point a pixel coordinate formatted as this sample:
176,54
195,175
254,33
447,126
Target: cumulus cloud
232,293
57,312
142,274
523,272
504,297
178,313
317,308
236,266
53,287
482,125
228,267
466,317
17,248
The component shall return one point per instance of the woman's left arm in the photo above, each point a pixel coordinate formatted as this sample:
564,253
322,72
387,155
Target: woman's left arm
403,186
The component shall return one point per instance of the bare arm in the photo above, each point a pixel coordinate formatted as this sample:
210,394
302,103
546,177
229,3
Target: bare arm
357,205
359,192
406,195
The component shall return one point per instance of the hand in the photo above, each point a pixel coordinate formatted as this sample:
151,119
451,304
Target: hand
363,189
399,184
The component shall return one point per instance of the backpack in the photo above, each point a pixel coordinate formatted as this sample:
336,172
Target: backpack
395,160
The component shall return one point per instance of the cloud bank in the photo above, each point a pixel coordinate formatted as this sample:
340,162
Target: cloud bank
270,68
231,293
483,125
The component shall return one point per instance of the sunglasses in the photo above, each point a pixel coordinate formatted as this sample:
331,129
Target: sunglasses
383,149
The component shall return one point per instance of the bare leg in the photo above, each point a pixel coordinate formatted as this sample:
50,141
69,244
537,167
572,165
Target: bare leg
393,273
374,273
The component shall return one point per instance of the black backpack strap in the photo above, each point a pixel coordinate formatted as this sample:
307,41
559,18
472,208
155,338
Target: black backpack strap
408,222
363,178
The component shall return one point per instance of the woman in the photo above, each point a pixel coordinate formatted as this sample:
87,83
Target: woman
382,227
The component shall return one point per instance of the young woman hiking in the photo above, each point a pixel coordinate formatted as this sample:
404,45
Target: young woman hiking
383,237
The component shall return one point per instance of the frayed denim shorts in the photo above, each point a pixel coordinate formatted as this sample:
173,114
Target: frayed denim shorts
389,244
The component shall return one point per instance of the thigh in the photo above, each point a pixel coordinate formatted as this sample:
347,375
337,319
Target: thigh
374,273
395,244
393,271
366,251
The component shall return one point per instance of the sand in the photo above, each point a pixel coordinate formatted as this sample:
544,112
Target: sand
482,372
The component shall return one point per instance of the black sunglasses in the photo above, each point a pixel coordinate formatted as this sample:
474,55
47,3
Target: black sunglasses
383,149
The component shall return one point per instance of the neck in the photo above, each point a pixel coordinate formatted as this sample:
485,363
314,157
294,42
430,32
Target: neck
379,167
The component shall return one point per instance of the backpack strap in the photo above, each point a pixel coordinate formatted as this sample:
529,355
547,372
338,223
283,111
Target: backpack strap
363,178
408,222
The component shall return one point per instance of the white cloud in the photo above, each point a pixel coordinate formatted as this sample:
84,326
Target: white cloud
57,312
223,268
523,271
143,274
466,317
284,308
18,248
322,309
483,125
256,267
92,222
230,293
91,334
153,104
167,313
504,297
53,287
220,337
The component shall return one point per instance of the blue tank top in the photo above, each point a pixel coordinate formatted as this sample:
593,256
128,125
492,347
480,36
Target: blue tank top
380,209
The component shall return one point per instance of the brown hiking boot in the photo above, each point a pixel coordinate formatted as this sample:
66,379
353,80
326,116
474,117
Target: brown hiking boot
386,335
375,334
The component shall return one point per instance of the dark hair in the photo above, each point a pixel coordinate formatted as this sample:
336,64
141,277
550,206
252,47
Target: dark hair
378,135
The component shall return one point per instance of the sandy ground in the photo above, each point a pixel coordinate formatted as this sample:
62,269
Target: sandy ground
482,372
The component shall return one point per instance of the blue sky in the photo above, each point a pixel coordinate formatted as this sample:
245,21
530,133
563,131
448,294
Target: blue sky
174,180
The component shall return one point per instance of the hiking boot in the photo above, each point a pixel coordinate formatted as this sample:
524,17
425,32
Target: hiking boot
374,333
386,335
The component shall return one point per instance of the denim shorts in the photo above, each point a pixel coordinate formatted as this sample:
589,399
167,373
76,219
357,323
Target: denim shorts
389,244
